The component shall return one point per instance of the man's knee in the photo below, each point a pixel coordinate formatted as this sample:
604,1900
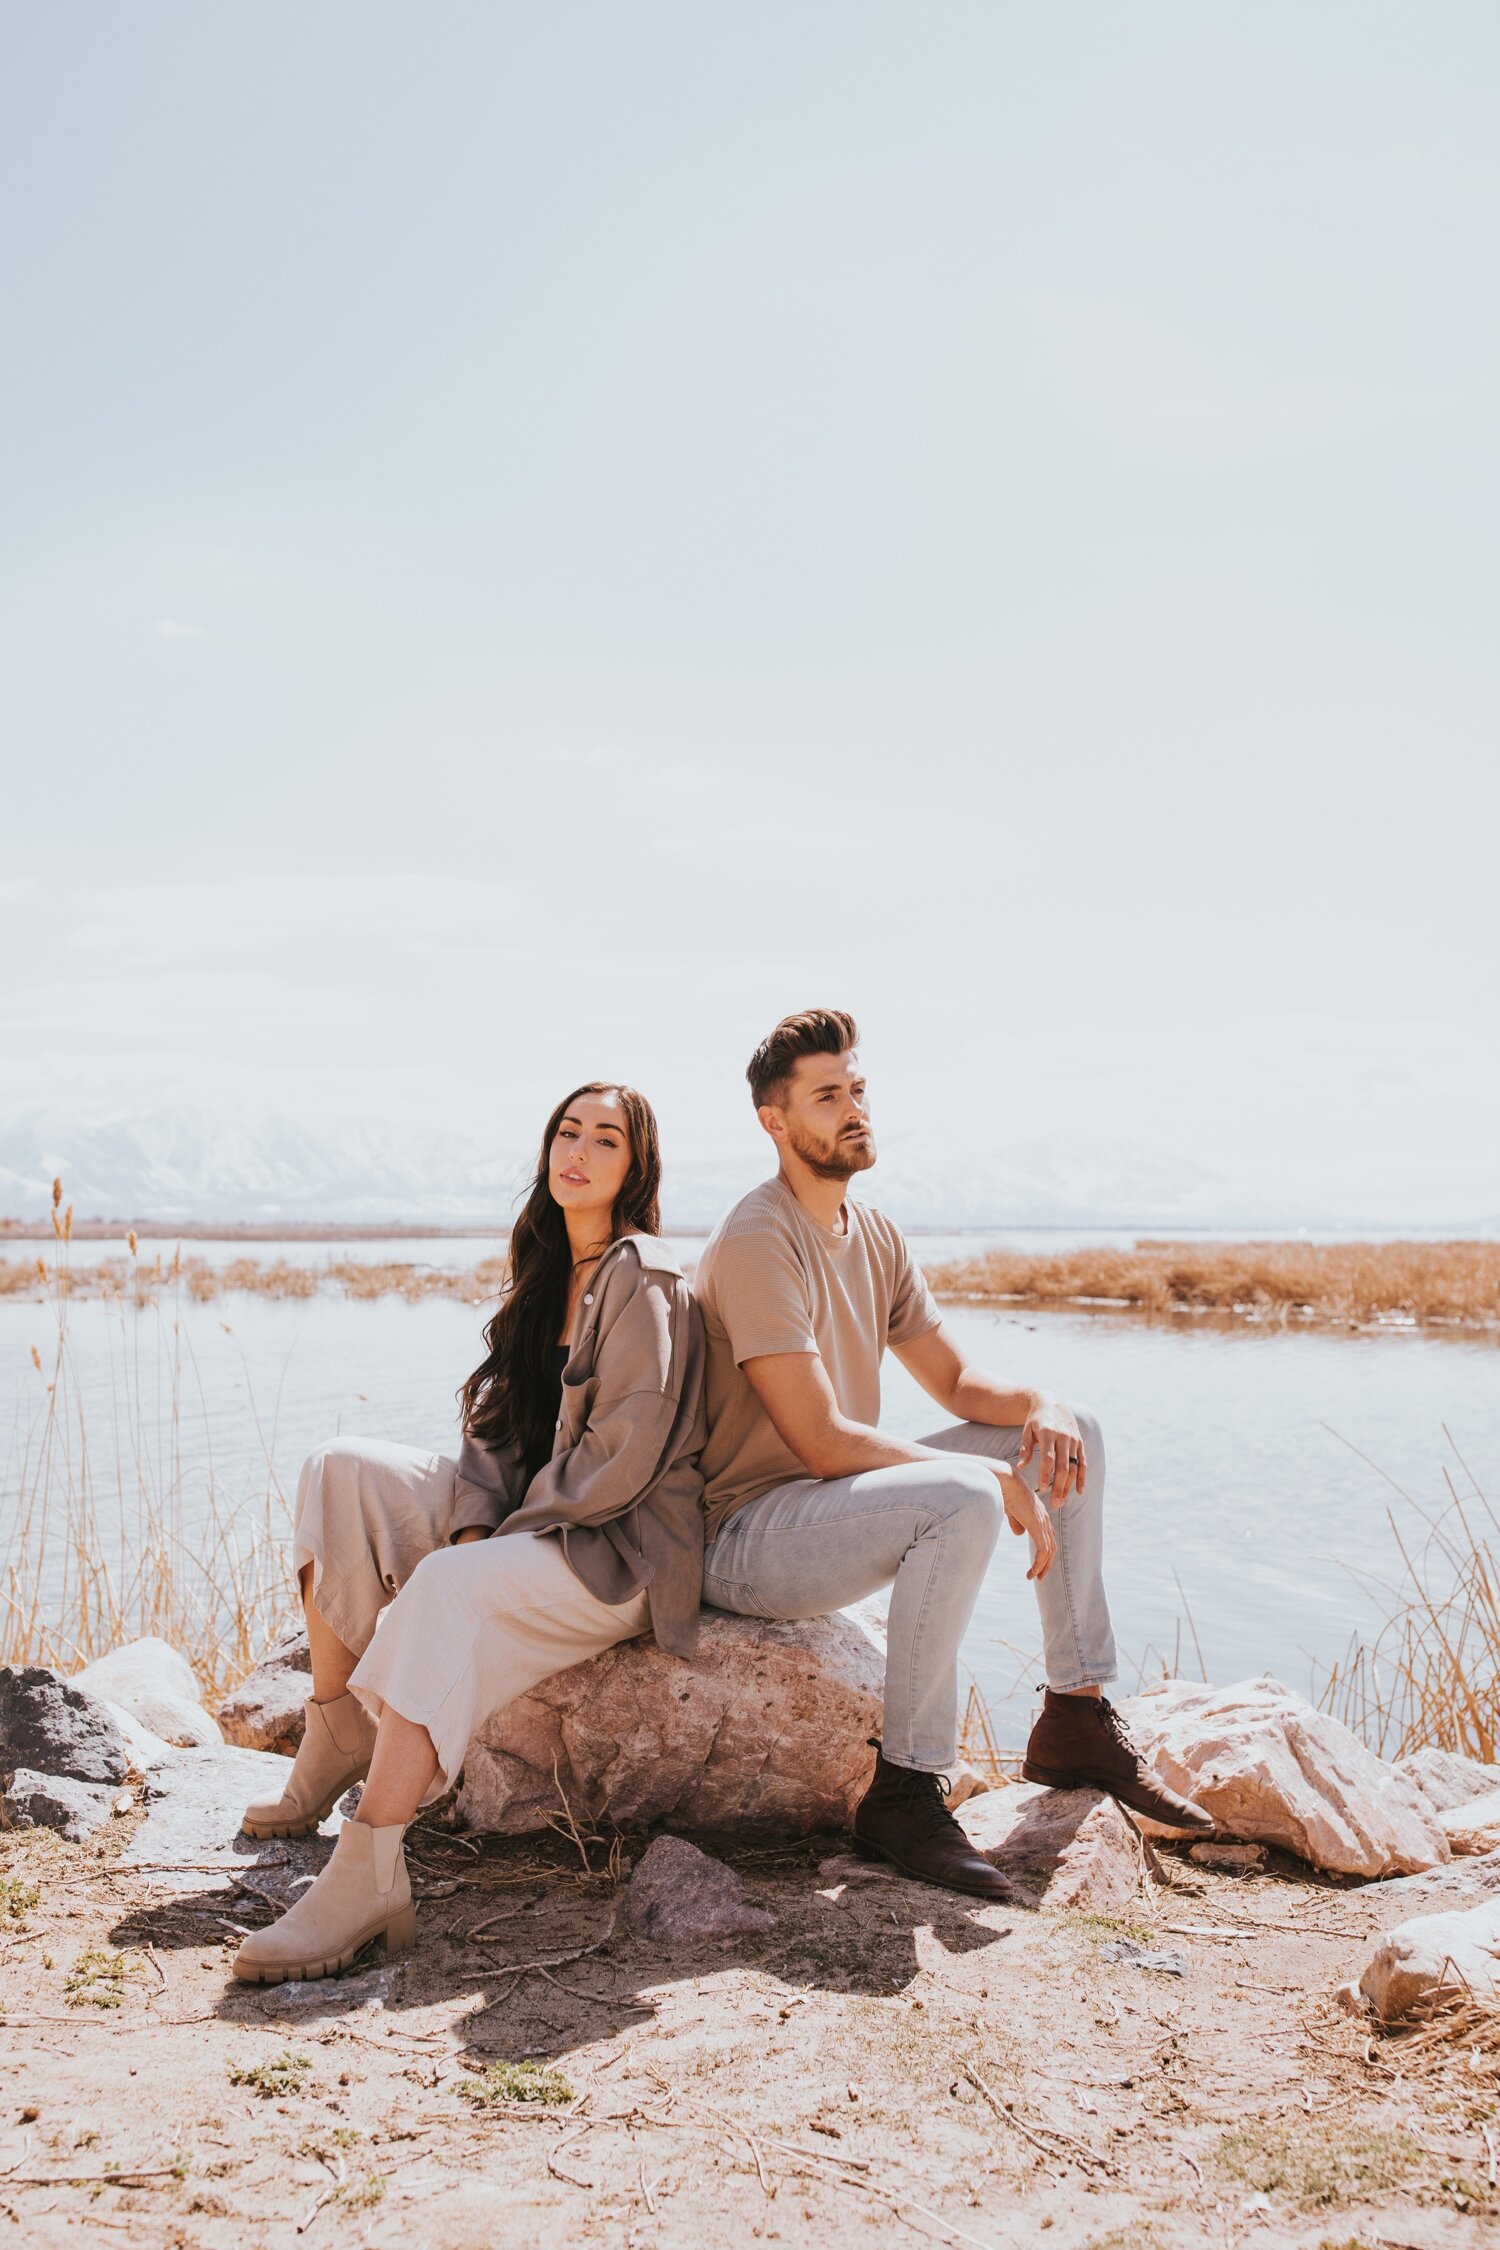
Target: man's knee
963,1496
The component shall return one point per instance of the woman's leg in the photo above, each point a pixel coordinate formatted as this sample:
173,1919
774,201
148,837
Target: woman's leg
367,1514
332,1662
402,1771
471,1631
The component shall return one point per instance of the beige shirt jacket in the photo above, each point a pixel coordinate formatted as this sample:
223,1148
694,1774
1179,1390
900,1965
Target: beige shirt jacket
623,1486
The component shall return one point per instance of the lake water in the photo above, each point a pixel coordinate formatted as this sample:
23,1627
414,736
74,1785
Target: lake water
1225,1472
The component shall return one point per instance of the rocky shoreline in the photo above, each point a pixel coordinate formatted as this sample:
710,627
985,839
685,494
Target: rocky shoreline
744,1965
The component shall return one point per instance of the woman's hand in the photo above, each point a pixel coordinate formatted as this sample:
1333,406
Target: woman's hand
474,1531
1025,1512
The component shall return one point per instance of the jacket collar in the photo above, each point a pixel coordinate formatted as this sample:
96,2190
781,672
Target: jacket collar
652,1252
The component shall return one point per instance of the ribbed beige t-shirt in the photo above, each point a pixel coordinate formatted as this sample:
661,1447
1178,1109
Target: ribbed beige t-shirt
771,1279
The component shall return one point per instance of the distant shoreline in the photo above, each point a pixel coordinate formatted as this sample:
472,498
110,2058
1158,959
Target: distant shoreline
246,1230
1452,1285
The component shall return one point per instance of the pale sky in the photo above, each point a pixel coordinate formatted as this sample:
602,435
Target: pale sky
536,539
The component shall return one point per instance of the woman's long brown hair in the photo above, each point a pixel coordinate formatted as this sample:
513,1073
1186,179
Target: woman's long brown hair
507,1398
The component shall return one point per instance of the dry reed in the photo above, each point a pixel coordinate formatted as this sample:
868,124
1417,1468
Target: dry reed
108,1532
1345,1282
1430,1676
142,1281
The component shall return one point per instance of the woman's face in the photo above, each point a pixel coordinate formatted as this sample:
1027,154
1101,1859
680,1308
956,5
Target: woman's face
589,1160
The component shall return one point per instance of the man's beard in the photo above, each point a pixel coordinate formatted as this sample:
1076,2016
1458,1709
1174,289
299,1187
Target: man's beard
835,1160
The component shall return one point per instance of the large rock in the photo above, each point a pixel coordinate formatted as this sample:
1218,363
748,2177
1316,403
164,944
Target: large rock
1272,1770
679,1896
1075,1846
265,1712
50,1800
1437,1957
1460,1879
1446,1780
142,1747
157,1686
762,1733
195,1801
50,1726
1473,1827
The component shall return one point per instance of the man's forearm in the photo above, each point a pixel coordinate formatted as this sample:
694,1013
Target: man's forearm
976,1399
852,1447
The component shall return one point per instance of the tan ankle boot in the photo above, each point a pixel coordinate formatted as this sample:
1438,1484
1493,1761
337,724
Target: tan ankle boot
335,1752
364,1892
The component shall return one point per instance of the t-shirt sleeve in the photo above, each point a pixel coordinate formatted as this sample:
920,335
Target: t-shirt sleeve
913,1306
759,1296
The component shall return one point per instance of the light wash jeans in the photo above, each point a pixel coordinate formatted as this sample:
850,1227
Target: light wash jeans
816,1544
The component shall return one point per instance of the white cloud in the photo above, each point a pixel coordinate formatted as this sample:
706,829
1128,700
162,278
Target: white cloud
174,629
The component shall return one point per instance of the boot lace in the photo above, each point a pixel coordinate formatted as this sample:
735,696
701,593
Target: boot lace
926,1795
1117,1730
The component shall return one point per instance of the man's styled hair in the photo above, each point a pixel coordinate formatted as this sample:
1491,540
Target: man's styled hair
817,1031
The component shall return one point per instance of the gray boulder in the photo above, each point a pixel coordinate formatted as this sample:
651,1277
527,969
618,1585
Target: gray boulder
679,1896
265,1711
48,1800
48,1726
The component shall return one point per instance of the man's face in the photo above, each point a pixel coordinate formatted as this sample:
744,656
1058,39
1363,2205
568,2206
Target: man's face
826,1120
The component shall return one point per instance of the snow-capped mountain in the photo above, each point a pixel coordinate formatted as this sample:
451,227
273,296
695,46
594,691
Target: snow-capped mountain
191,1166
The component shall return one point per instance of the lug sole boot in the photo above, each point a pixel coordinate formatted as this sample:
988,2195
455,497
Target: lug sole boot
1080,1742
902,1818
335,1751
363,1894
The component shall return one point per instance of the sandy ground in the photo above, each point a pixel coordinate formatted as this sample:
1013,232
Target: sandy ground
890,2062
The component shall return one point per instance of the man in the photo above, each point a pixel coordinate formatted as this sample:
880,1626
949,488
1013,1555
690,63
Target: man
810,1506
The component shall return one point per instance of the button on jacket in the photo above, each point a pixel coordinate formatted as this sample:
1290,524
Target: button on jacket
622,1486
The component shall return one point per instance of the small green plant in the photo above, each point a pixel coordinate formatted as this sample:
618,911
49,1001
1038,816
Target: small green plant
96,1980
284,2074
516,2082
1317,2165
361,2195
344,2136
1102,1927
1126,2238
16,1898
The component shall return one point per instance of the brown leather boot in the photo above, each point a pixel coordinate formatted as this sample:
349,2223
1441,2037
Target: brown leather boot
1080,1742
902,1817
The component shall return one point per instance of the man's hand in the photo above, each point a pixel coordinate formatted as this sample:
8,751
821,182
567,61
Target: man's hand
1051,1429
1024,1512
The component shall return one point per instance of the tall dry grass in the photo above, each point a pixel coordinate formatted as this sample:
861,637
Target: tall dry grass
1353,1282
1429,1676
143,1281
112,1526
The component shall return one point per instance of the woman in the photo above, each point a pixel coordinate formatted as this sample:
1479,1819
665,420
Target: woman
578,1470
